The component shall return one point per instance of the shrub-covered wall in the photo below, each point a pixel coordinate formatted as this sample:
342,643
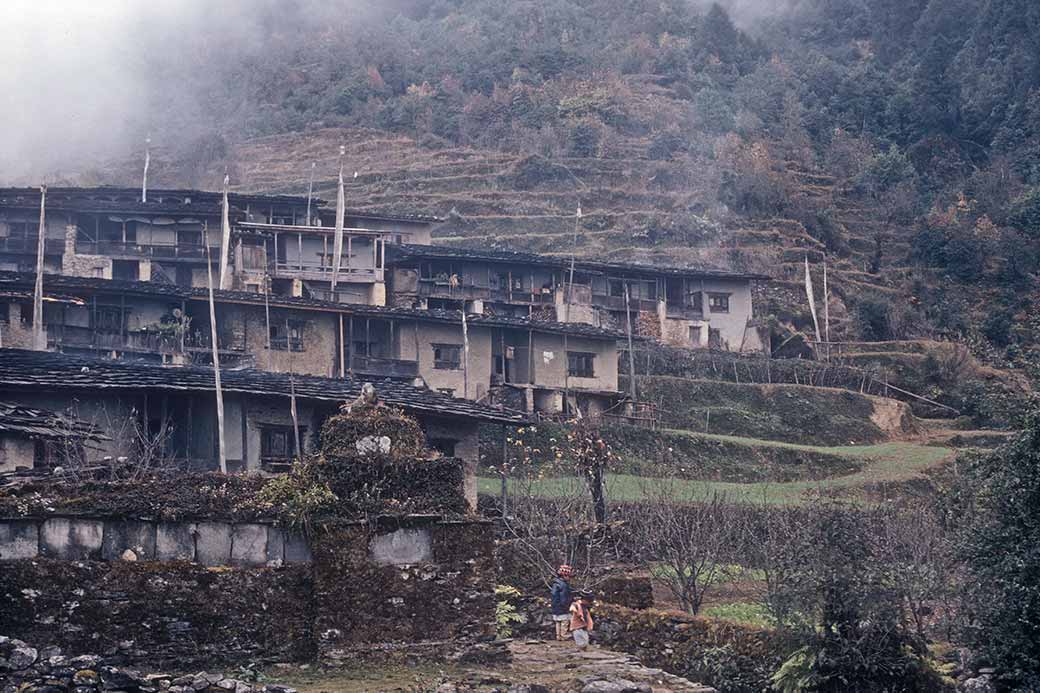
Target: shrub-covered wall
162,613
442,601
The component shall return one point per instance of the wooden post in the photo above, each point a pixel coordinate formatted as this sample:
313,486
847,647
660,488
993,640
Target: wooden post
342,347
350,363
38,333
631,354
465,356
222,453
292,392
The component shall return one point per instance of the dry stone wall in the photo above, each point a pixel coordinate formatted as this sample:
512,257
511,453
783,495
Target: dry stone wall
207,543
190,594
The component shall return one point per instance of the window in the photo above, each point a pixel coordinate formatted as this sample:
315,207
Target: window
447,356
580,364
714,338
718,303
126,270
617,288
278,443
287,335
695,336
26,310
5,312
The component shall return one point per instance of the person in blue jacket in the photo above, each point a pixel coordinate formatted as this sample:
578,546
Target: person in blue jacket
561,601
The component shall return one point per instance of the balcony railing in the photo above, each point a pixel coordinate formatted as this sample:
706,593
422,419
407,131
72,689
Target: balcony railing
316,272
684,312
28,246
144,341
385,368
618,303
181,251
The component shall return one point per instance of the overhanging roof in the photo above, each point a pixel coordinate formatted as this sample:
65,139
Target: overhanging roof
406,252
43,370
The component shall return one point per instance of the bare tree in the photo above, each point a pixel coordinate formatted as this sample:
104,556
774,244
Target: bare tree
688,543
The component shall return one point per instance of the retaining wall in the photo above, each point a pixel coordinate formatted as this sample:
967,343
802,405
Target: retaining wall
234,593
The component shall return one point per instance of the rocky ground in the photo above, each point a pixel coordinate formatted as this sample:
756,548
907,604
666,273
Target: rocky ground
537,666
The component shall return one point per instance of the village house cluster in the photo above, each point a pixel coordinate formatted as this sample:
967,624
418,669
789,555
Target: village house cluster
459,335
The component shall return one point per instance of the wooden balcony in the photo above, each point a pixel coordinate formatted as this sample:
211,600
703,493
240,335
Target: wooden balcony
384,368
142,341
28,246
182,251
323,273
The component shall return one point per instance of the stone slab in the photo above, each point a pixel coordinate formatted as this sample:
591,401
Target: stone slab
249,544
175,541
19,539
275,544
134,535
213,543
402,547
71,539
297,549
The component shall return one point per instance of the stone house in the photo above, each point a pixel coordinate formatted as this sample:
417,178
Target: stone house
173,409
531,364
110,233
682,307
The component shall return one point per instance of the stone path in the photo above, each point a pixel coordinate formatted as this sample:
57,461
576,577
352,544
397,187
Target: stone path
562,666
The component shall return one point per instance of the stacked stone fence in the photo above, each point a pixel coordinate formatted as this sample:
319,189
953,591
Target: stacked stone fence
221,592
206,543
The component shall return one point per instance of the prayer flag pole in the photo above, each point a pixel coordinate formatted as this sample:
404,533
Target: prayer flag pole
341,203
225,236
216,357
39,335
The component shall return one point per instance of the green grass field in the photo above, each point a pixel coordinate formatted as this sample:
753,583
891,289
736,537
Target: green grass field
882,463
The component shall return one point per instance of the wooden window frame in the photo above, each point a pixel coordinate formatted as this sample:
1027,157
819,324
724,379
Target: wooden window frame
443,363
581,364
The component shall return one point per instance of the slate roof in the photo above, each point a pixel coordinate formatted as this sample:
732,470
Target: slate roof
10,281
15,418
174,201
160,200
52,371
405,252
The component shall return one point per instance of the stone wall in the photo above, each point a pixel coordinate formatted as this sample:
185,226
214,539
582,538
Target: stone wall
206,543
210,591
415,589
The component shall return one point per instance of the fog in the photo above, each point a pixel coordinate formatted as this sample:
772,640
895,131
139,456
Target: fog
85,81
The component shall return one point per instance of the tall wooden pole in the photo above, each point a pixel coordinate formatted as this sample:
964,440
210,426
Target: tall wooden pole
225,235
39,335
826,310
465,355
221,451
292,391
310,192
631,351
144,176
337,246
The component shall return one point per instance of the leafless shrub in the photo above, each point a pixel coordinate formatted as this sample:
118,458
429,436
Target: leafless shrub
129,450
688,543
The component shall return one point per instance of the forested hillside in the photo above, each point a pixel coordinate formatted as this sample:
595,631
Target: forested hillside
900,140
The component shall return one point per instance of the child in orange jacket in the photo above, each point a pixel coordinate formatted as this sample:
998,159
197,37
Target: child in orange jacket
581,622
